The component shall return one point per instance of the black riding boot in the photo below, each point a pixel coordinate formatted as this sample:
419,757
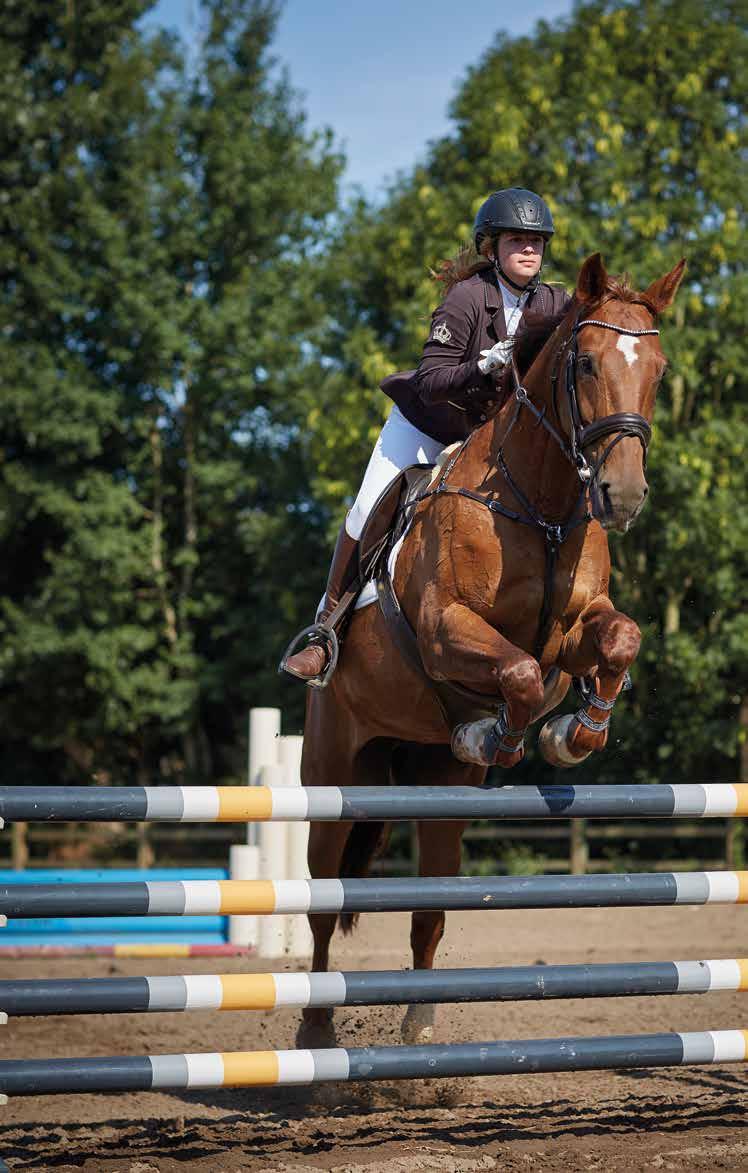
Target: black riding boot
311,661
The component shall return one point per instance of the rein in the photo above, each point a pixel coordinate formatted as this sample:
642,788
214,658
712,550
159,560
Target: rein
619,424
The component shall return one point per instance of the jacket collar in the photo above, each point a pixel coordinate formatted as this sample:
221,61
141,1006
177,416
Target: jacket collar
494,300
492,292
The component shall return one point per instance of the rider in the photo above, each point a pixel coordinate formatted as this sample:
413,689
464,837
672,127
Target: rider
455,384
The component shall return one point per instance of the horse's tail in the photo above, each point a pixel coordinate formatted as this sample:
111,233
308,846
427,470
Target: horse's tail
365,843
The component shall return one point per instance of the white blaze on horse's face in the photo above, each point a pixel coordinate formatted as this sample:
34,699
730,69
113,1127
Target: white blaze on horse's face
627,346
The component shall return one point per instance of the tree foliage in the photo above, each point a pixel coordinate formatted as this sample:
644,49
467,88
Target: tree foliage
629,118
156,222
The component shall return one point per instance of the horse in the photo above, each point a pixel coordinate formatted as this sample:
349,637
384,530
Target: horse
503,577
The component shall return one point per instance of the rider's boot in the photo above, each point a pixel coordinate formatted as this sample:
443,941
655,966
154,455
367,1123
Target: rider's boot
312,660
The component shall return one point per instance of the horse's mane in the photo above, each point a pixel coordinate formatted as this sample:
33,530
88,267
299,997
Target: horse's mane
532,336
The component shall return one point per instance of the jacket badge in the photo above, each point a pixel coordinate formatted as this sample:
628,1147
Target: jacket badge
442,333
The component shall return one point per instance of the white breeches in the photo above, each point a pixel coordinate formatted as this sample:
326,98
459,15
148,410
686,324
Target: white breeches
399,444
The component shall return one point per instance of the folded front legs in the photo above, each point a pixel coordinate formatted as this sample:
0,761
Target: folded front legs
602,644
457,644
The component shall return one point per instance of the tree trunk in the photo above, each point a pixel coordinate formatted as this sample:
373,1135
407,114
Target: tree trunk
157,537
190,747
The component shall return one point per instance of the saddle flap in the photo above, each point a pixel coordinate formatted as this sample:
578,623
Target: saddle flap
384,516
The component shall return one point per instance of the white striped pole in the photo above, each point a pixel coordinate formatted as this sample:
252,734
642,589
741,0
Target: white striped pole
28,1077
272,991
237,804
402,894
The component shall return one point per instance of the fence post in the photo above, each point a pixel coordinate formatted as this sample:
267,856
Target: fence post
19,846
579,852
145,853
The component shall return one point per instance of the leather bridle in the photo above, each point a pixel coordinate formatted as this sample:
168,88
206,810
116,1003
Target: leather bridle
619,423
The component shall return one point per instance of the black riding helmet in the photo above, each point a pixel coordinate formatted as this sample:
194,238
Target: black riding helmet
513,209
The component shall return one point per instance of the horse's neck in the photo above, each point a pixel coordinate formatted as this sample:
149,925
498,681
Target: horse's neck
533,457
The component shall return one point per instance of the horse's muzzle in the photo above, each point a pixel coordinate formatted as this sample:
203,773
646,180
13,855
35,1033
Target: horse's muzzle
617,508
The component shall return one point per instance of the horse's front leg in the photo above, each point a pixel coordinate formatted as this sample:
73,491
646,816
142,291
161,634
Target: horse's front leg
457,644
602,644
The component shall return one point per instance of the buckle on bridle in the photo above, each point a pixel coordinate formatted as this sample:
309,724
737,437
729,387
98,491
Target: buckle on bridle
583,469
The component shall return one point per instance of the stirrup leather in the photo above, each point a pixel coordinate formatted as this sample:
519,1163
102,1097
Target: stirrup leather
322,636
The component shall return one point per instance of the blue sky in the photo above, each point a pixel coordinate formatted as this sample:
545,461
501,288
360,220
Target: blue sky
381,75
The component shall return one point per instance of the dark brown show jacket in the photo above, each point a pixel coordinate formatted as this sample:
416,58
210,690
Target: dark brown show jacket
436,397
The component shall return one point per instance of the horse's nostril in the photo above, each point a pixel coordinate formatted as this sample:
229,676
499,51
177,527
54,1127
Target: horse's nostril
646,490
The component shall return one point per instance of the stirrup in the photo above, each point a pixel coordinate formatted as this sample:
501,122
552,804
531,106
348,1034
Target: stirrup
322,636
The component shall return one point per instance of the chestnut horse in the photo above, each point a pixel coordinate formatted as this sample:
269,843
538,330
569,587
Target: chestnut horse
502,585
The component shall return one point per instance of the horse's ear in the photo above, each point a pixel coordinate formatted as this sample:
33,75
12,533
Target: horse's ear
592,280
661,292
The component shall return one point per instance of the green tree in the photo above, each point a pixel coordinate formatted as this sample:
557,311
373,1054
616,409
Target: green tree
156,227
629,118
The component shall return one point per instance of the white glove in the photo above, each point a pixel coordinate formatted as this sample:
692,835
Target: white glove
495,358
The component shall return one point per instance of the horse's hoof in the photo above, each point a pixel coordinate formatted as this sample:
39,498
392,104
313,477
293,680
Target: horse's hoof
417,1026
553,742
312,1036
481,743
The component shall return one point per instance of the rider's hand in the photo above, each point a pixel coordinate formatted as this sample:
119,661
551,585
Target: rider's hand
496,358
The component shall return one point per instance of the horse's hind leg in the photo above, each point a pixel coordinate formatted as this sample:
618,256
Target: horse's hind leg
326,845
335,849
439,850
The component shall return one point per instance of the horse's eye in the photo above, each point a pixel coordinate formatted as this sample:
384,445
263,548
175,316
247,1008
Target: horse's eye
586,364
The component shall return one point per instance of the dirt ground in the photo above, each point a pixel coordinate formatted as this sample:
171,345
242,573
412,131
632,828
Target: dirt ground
682,1118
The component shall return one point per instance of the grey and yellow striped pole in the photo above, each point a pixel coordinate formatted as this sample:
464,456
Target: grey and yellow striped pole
271,991
28,1077
224,897
239,804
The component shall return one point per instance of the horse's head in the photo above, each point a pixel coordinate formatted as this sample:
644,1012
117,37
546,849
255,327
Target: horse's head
606,382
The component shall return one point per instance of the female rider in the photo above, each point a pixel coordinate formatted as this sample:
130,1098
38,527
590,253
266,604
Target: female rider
454,386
